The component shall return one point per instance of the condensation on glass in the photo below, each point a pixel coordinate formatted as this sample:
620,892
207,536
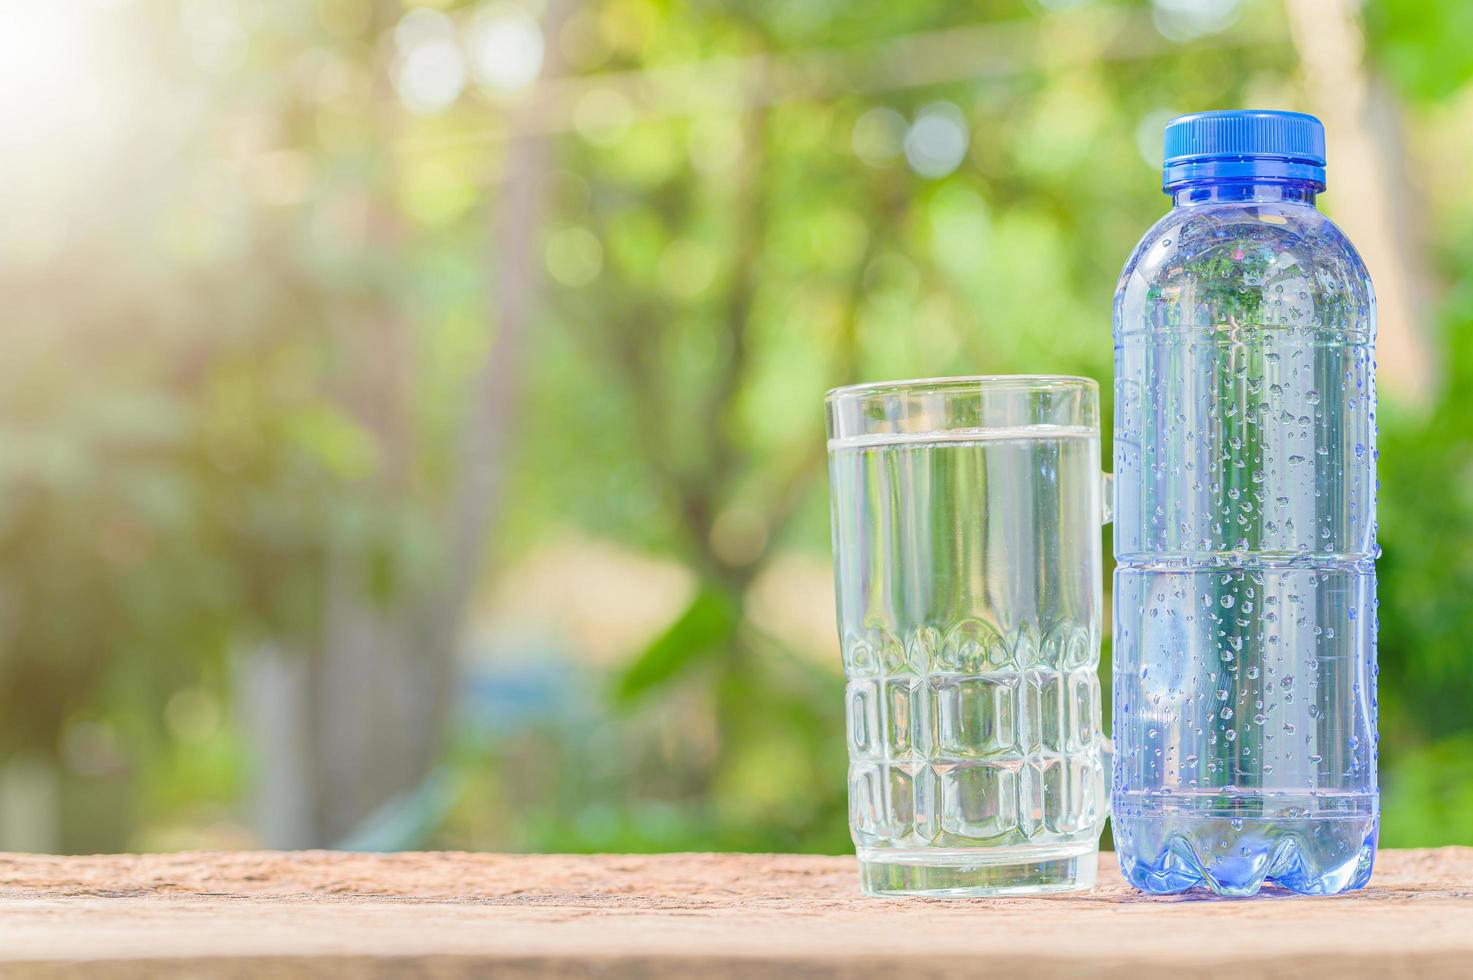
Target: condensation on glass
1245,531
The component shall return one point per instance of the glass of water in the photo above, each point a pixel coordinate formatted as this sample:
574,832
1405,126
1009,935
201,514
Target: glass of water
966,532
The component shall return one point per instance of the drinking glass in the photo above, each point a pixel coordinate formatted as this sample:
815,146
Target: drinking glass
966,531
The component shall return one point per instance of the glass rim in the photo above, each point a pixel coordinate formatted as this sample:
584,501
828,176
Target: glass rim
1036,382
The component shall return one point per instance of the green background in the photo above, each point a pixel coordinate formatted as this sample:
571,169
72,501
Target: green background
394,461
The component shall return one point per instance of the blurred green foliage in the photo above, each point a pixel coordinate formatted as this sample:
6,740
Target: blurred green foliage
1417,44
248,369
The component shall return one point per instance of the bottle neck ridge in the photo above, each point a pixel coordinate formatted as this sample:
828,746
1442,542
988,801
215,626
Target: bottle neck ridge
1245,191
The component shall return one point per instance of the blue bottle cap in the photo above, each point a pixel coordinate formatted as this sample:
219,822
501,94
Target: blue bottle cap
1244,144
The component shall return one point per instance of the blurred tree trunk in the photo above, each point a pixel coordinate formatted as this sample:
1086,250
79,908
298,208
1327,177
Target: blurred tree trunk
1372,199
496,388
344,731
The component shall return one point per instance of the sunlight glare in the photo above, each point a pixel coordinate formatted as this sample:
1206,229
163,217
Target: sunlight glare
50,56
67,95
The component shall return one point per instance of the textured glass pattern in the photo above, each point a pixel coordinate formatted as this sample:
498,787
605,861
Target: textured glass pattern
1002,751
968,566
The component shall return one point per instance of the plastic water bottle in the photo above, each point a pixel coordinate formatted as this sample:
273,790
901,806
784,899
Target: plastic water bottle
1245,525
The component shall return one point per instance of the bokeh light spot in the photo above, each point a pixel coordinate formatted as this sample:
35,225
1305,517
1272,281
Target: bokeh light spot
879,136
687,269
217,41
506,48
1187,20
937,141
192,715
421,26
739,535
715,144
1150,135
574,256
430,72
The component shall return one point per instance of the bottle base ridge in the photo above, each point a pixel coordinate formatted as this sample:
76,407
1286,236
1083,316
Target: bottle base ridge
1166,850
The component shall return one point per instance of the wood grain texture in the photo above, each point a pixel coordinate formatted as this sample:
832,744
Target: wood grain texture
316,914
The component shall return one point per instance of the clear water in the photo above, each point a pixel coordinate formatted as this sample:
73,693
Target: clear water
1245,593
969,603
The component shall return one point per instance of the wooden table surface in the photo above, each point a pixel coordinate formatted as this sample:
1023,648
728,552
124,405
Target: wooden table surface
316,914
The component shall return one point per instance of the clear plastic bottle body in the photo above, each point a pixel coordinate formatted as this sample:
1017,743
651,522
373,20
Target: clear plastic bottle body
1245,626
